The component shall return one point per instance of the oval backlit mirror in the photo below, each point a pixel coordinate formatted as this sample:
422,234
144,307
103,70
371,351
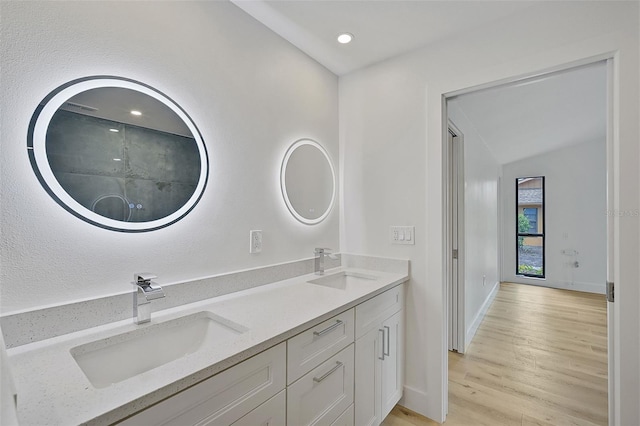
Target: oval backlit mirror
118,154
308,181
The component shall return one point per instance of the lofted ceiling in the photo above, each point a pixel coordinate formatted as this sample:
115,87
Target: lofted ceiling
382,28
532,117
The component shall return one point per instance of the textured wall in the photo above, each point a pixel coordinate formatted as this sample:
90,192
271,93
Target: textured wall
250,93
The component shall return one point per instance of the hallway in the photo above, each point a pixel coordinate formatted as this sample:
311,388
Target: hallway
538,358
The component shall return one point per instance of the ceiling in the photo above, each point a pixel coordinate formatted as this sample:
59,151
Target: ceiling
382,28
540,115
516,121
115,104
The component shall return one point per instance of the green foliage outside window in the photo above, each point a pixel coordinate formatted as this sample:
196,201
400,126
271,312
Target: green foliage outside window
523,227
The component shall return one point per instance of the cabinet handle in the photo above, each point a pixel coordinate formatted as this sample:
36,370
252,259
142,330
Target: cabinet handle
328,373
388,339
382,345
328,329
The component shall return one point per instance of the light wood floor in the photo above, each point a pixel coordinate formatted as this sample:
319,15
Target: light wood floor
538,358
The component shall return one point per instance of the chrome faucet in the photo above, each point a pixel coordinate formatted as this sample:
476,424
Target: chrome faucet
146,291
319,259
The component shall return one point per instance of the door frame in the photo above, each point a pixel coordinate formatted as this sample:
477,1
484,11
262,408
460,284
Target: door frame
612,143
455,228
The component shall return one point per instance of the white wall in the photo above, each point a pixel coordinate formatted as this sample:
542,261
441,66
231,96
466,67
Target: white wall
391,132
251,94
575,216
481,235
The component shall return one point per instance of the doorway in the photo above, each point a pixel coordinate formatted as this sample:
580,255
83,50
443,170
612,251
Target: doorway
562,248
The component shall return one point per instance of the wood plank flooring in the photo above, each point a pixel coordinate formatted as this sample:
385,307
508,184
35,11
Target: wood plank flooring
538,358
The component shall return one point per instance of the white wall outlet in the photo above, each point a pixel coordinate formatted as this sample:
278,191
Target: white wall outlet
402,235
255,241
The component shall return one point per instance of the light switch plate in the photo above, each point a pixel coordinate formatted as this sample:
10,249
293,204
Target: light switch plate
402,235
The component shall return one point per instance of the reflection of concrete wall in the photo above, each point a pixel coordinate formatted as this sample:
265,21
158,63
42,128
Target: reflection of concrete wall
100,168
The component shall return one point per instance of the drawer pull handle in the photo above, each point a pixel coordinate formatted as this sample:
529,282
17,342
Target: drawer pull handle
328,373
388,339
328,329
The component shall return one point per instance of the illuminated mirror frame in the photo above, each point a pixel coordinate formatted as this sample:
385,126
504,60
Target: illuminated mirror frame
36,148
283,184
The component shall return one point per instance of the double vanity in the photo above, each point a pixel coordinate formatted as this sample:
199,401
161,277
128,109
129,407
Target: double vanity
303,350
273,345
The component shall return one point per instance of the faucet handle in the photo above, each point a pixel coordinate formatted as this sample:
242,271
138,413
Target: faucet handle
320,250
143,278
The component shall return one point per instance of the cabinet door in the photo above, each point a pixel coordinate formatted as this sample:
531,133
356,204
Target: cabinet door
367,378
321,396
271,413
392,367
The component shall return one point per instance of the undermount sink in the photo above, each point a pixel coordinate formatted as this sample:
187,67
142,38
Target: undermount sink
342,280
117,358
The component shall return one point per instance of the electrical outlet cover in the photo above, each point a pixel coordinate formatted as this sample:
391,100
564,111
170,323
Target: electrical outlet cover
255,241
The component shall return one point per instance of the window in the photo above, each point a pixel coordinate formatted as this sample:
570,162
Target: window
532,216
530,235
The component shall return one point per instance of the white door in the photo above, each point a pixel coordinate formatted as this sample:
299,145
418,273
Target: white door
456,230
610,252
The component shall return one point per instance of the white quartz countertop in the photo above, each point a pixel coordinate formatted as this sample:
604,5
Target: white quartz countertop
52,389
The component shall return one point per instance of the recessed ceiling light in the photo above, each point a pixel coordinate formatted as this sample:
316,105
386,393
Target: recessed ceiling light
134,112
114,130
345,38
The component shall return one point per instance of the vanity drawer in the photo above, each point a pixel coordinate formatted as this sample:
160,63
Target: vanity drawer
346,418
371,313
322,395
271,413
223,398
309,348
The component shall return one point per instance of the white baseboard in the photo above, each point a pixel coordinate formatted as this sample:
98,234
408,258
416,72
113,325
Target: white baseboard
598,288
471,331
417,400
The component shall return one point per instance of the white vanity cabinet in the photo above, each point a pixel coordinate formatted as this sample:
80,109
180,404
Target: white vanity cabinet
226,397
322,395
346,370
320,373
379,359
315,345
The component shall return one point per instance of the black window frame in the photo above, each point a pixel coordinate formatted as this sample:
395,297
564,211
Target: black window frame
529,234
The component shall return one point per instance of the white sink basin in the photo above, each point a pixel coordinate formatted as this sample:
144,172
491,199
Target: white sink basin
117,358
342,280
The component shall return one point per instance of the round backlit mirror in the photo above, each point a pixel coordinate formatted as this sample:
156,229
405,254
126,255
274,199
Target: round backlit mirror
308,181
118,154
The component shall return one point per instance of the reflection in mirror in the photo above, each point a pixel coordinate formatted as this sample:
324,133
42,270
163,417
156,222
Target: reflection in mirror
118,154
307,181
